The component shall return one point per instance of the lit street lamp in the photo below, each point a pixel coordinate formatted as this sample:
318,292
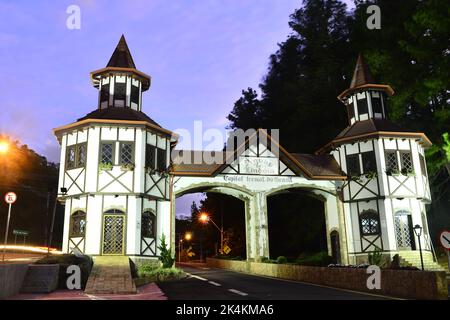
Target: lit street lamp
188,236
4,147
205,218
418,232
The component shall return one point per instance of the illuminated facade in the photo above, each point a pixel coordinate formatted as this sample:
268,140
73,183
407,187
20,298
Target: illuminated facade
122,184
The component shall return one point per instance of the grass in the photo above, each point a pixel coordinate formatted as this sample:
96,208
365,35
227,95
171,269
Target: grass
150,273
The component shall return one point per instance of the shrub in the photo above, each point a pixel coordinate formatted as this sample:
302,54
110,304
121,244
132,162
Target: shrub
267,260
282,260
166,256
376,257
153,274
321,259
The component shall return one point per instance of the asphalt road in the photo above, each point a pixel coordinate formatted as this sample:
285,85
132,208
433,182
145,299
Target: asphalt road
205,283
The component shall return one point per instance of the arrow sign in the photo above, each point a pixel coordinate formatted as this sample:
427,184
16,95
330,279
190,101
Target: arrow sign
445,239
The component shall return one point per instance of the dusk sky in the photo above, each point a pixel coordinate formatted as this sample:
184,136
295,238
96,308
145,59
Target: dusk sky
200,54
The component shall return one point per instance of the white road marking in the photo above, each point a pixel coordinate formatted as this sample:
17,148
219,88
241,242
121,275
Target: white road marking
215,283
196,277
238,292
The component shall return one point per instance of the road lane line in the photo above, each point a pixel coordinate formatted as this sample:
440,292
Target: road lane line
196,277
238,292
215,283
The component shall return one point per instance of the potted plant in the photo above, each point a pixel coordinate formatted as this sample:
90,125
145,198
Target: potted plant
406,172
105,166
371,175
127,166
392,172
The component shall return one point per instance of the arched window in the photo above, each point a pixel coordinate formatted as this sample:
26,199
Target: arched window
114,211
369,223
78,224
148,225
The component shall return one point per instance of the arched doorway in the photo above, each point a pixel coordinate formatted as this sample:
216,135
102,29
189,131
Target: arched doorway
227,222
403,230
113,240
297,224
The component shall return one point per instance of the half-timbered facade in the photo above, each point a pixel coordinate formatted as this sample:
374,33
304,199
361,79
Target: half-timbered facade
387,187
122,174
114,166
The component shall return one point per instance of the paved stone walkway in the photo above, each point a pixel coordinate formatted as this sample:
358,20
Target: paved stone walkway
110,275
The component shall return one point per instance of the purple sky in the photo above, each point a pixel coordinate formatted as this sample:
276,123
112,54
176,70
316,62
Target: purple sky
200,54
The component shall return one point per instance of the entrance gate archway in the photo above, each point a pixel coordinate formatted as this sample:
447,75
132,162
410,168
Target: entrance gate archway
256,173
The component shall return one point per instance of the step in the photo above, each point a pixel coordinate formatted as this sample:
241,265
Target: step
110,275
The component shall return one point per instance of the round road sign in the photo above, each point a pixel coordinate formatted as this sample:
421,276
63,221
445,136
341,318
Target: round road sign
10,197
445,239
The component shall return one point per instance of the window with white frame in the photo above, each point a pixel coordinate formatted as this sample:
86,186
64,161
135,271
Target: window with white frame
150,157
78,224
107,153
161,159
148,225
353,168
391,162
369,162
76,156
369,222
406,162
126,153
423,164
70,157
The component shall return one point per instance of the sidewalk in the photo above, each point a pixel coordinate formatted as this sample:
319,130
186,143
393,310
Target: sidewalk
147,292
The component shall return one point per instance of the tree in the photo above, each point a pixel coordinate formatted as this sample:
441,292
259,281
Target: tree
305,75
35,181
165,256
247,113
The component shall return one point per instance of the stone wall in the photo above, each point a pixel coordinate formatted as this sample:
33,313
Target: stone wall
397,283
11,278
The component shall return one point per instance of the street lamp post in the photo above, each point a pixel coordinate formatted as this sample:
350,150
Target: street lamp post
418,232
180,244
205,219
63,193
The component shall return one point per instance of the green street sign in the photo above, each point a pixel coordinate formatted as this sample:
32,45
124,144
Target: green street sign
20,232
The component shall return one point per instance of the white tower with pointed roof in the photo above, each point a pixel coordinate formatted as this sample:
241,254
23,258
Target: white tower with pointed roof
387,187
114,165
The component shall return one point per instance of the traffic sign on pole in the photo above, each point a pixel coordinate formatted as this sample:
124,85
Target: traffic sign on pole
10,198
444,238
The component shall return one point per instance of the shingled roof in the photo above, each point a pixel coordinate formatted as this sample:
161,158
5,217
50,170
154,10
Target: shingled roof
121,56
361,75
319,165
113,113
373,128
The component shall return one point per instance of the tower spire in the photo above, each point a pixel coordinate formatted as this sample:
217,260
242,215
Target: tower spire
121,56
361,75
362,81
